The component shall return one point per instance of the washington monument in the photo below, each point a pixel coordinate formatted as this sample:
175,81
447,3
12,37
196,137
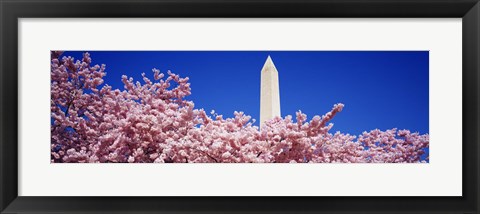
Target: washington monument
269,92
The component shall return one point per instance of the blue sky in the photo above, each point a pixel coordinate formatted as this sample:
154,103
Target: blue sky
380,89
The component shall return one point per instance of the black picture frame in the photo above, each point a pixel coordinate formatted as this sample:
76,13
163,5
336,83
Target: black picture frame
12,10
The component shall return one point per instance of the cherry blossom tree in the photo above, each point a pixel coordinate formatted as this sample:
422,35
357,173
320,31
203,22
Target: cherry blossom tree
153,122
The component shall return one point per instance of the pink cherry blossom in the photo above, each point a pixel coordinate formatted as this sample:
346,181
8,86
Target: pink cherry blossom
152,122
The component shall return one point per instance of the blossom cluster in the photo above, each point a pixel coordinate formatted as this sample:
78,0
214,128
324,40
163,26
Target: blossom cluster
152,122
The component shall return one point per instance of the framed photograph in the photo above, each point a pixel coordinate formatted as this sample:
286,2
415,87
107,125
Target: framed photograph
239,106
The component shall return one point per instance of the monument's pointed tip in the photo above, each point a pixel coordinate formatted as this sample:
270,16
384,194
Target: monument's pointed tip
269,65
269,60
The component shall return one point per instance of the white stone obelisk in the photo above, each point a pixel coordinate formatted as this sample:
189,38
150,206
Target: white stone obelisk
269,92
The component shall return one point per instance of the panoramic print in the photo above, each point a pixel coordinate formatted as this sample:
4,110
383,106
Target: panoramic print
239,107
